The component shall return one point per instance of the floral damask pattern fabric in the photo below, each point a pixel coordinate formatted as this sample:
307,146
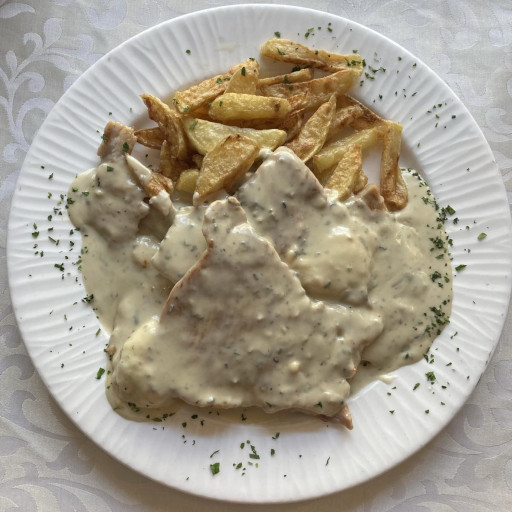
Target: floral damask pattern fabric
46,463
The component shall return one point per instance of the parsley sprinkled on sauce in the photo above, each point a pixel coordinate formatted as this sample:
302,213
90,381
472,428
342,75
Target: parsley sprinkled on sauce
242,71
126,147
110,168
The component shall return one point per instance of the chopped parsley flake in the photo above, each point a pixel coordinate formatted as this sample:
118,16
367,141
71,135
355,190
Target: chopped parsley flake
101,371
215,468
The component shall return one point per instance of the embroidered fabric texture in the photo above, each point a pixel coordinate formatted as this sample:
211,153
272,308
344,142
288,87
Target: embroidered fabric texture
46,463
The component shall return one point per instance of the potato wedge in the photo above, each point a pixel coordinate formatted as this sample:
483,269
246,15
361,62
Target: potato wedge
205,135
187,181
244,79
344,177
302,75
169,122
367,119
225,164
361,182
314,132
318,90
343,117
392,184
288,51
169,166
151,137
233,107
204,92
331,154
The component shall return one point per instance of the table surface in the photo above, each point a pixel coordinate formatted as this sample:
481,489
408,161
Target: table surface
46,463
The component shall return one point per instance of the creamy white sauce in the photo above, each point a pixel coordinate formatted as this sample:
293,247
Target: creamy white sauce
294,289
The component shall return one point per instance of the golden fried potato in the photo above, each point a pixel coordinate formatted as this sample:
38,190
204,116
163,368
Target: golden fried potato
151,137
344,177
290,78
169,166
343,117
318,90
187,181
392,184
233,107
244,79
200,94
367,119
361,182
289,51
205,135
169,122
225,164
314,132
331,154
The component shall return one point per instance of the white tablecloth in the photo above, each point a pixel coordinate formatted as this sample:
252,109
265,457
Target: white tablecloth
46,463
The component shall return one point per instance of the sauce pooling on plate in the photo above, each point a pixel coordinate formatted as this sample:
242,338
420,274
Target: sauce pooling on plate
280,297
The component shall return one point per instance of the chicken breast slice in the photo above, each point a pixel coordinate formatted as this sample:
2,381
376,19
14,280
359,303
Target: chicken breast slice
243,326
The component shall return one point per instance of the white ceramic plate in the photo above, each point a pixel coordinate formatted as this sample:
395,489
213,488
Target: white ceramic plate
311,458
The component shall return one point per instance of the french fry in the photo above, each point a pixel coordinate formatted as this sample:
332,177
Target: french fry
331,154
361,182
314,132
205,135
187,181
244,79
169,165
233,107
392,184
288,51
344,177
318,90
225,164
200,94
367,119
151,137
292,125
301,75
343,117
298,103
169,122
